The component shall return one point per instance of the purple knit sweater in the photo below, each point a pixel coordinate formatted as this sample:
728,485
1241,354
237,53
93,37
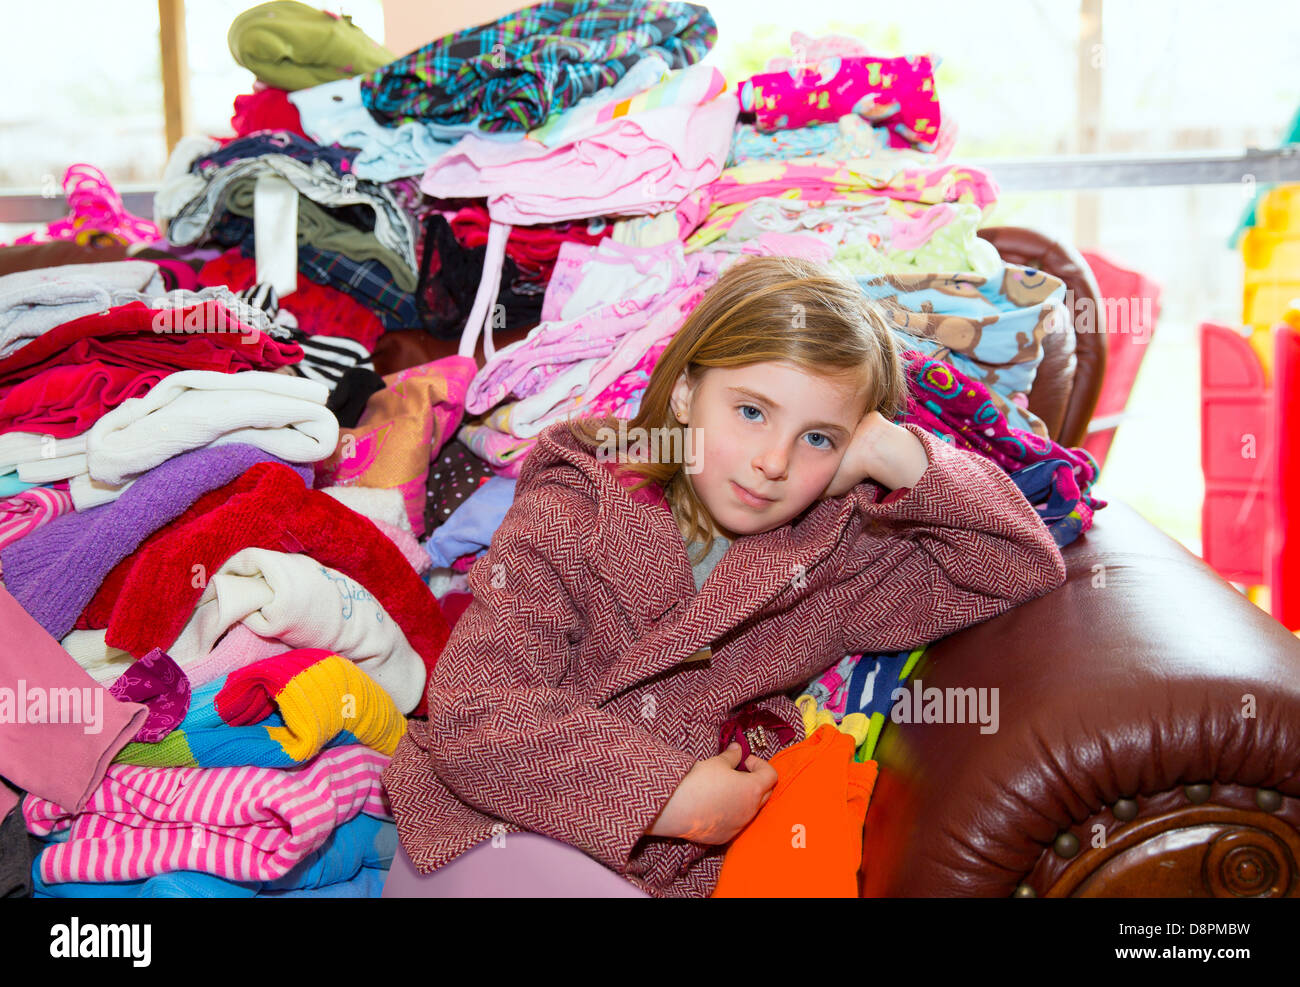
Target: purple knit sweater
56,570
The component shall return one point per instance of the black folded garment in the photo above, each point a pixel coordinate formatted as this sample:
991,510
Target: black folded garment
17,851
445,295
348,398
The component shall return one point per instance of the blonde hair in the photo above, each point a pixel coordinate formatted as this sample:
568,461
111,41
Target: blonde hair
763,309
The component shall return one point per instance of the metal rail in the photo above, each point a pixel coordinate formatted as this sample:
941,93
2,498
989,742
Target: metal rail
1138,170
1012,175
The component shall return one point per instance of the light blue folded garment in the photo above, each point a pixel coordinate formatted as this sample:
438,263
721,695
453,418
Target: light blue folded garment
10,485
332,113
470,526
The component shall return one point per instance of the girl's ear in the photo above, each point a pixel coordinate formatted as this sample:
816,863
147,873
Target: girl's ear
680,400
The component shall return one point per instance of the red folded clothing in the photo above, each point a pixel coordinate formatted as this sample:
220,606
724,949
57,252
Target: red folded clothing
455,604
99,610
268,507
63,381
532,248
110,333
319,309
265,109
66,401
250,692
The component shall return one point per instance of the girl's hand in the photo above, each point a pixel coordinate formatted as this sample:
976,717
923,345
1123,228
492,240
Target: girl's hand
880,451
714,802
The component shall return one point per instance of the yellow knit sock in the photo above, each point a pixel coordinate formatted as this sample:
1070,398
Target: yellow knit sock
328,697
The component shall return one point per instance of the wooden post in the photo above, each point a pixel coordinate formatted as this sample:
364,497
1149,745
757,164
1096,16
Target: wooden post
175,69
1092,63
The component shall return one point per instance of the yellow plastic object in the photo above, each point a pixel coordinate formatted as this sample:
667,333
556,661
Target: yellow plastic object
1279,209
1261,341
1266,301
1271,254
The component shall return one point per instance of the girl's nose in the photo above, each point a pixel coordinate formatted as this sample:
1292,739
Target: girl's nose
772,461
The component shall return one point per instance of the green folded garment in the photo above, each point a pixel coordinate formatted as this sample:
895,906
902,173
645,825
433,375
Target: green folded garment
291,46
318,226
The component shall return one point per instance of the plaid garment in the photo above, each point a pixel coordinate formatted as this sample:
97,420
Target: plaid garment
367,281
512,74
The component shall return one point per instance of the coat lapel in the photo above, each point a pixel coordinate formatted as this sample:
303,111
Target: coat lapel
752,572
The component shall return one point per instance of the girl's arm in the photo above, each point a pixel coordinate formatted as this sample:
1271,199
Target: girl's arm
512,733
960,546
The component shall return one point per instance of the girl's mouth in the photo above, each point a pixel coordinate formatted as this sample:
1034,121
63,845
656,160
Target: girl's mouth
752,499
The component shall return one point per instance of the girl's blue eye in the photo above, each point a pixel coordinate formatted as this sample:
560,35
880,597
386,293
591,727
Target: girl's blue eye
828,444
749,407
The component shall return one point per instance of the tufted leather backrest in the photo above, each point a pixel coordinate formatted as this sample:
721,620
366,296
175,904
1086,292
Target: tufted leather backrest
1069,379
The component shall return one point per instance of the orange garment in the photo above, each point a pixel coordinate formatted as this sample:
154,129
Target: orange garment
806,841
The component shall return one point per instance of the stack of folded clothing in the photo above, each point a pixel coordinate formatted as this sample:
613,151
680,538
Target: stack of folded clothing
236,629
247,825
82,346
265,629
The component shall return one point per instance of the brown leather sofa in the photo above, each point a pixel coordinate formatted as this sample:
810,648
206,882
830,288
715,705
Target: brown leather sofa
1148,733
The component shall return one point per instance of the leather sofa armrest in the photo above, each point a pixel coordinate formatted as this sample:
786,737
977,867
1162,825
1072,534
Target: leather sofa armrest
1147,742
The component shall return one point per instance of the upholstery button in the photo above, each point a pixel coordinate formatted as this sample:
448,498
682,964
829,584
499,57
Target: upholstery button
1196,794
1066,845
1268,800
1025,891
1125,810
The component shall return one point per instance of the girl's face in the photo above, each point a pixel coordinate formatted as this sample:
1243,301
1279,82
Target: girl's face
770,438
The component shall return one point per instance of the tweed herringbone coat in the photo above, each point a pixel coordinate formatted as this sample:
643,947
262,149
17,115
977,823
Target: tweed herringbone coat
575,692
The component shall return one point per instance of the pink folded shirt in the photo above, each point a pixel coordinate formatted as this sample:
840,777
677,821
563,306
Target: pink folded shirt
644,163
41,751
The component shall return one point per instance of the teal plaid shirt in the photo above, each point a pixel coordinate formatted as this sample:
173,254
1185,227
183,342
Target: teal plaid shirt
512,74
